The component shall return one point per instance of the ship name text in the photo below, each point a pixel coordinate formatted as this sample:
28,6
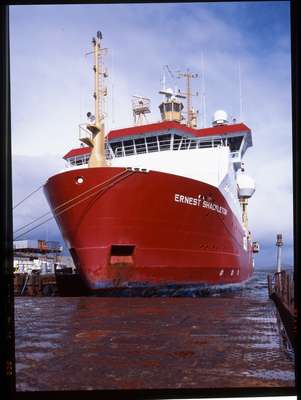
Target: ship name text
200,202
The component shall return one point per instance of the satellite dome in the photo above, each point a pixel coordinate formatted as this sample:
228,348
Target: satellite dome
220,117
246,185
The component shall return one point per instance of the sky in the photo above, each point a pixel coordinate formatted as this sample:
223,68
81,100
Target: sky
52,86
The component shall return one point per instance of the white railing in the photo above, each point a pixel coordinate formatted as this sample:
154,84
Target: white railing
160,145
156,145
78,160
82,160
84,132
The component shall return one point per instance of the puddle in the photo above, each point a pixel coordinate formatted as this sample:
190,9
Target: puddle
271,374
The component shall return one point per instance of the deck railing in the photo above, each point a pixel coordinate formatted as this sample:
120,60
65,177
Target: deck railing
161,145
147,146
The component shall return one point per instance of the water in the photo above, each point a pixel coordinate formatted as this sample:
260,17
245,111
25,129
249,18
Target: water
225,339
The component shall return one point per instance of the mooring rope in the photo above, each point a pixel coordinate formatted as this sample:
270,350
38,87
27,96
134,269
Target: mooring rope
25,198
25,284
61,205
111,181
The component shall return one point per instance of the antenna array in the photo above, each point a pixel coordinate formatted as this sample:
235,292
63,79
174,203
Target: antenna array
141,107
191,114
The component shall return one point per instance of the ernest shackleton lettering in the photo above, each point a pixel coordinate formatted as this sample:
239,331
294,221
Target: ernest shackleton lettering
199,202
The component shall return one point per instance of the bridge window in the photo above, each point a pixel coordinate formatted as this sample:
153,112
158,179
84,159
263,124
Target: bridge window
164,142
192,144
117,148
152,144
78,160
176,142
129,147
184,143
235,143
140,145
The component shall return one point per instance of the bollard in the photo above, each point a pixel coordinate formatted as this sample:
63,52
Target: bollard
277,283
270,284
279,244
292,297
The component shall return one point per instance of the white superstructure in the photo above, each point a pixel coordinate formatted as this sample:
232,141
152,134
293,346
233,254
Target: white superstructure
211,155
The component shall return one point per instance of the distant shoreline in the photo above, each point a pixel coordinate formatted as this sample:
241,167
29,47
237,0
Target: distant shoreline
273,268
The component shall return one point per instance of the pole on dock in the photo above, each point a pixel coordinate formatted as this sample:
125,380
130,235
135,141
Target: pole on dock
279,244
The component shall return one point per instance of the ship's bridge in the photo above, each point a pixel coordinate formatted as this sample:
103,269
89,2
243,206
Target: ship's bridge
78,157
168,136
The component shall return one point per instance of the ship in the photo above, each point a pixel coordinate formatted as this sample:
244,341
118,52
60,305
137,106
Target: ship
156,204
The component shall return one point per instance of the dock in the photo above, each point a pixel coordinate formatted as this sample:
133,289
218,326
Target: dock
35,284
36,264
149,343
281,291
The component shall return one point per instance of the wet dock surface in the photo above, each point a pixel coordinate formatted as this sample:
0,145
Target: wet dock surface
81,343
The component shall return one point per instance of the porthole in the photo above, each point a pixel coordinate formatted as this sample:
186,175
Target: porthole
79,180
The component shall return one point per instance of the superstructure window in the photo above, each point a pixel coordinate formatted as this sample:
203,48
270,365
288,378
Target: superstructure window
140,145
117,148
184,144
168,107
192,144
78,160
205,144
164,142
235,143
129,147
176,142
167,142
152,144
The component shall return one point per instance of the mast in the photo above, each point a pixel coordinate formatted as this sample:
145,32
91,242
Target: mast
97,72
240,93
190,113
203,91
96,128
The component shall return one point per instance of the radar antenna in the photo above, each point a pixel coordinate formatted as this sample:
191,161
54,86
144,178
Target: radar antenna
240,93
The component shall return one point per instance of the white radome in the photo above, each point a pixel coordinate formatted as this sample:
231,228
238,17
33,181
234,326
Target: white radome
220,117
246,185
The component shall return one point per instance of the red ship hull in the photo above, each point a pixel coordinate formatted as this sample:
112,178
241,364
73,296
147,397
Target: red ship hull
127,228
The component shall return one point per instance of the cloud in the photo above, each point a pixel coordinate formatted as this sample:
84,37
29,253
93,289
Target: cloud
29,174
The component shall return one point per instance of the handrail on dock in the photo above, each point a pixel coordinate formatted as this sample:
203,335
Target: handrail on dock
281,284
281,291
